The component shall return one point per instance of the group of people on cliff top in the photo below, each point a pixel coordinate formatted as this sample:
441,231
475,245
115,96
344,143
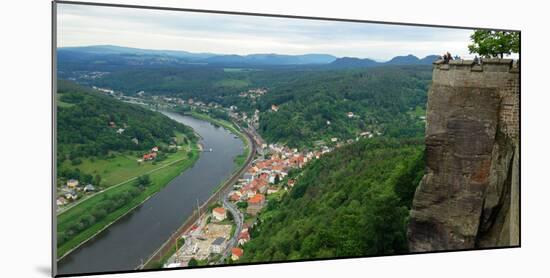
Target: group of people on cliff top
448,57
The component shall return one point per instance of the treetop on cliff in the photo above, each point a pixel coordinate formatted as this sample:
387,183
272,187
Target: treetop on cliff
494,43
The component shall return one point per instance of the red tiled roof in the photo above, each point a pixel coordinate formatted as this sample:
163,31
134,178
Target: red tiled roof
258,198
244,235
238,252
219,210
234,197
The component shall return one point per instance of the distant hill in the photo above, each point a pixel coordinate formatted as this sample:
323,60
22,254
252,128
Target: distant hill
112,58
349,62
120,50
354,62
271,59
412,60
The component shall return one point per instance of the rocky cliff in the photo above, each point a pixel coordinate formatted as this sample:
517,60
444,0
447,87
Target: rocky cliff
469,196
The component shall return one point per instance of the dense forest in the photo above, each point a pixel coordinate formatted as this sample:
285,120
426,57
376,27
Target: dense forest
381,101
354,201
93,124
313,104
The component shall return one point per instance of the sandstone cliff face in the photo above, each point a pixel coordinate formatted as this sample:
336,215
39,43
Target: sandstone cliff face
469,196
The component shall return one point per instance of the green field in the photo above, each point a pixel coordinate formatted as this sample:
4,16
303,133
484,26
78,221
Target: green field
61,103
240,159
122,167
239,69
159,179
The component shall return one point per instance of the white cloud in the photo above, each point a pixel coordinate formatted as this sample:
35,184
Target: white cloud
234,34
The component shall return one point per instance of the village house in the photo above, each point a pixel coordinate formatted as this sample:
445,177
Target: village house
61,201
244,237
149,156
235,197
89,188
255,204
72,183
350,115
155,149
274,108
272,189
248,177
120,130
219,213
291,183
236,253
217,245
248,191
71,195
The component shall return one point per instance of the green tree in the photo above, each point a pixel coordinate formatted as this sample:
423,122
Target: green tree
494,43
144,180
193,262
97,180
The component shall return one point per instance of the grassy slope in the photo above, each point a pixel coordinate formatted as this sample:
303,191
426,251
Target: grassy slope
159,179
120,168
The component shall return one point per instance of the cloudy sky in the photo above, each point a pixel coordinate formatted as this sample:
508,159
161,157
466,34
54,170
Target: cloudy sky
80,25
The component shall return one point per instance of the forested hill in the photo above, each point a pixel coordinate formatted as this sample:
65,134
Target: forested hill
353,201
92,124
343,104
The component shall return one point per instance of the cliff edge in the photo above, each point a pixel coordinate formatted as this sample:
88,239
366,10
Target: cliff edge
469,196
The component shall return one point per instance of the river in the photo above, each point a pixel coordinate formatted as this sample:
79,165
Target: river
137,235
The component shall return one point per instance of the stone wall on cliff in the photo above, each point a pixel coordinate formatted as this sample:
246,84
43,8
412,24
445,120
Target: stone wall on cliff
469,196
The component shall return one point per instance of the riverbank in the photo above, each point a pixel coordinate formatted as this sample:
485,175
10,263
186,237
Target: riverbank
227,124
155,260
160,177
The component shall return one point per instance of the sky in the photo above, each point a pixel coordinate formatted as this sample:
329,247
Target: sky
80,25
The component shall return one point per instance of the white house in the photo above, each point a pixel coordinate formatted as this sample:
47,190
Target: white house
72,183
217,245
219,213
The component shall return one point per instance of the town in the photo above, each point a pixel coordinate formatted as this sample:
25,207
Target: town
221,232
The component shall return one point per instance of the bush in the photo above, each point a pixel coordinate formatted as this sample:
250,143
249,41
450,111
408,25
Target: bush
242,205
193,262
143,181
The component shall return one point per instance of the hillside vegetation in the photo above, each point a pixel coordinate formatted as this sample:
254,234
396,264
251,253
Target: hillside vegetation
344,104
88,121
313,104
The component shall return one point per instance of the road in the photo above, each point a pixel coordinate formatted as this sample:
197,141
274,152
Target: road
238,218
